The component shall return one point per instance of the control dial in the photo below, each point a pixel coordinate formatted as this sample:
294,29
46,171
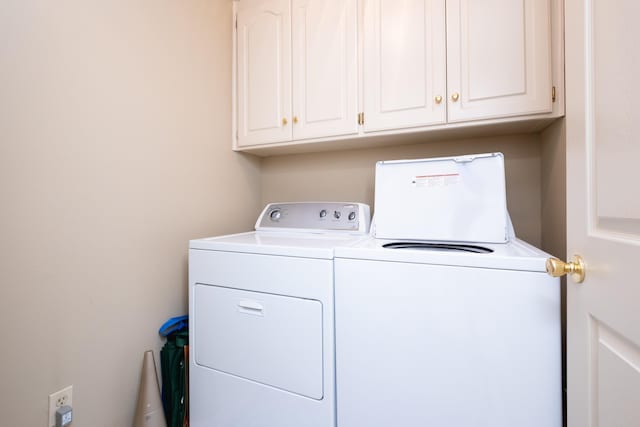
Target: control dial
275,214
323,213
352,216
337,214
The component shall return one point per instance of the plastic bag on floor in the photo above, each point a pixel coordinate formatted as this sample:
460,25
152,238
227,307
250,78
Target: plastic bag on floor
174,363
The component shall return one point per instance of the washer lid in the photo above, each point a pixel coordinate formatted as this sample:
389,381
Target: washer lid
447,199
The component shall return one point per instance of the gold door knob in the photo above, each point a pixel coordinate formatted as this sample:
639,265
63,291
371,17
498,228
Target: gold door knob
438,99
295,119
575,268
284,121
455,96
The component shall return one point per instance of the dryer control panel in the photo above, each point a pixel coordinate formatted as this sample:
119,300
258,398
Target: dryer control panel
315,217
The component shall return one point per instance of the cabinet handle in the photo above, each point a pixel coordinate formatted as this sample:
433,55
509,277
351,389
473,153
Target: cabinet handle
438,99
295,119
284,121
455,96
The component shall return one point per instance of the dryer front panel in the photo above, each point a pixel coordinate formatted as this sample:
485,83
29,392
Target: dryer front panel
271,339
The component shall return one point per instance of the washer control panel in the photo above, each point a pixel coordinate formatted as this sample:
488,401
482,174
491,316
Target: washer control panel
315,216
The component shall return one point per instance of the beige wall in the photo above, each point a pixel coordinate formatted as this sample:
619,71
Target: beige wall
554,212
114,151
349,175
553,189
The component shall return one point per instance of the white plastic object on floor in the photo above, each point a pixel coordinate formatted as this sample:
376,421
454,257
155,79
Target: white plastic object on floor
149,411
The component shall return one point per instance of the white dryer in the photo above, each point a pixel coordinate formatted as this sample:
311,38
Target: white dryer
261,310
446,332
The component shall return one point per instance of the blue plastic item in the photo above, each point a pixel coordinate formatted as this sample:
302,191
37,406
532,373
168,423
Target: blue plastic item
175,324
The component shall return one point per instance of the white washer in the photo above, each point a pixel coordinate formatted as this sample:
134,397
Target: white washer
437,333
430,338
262,318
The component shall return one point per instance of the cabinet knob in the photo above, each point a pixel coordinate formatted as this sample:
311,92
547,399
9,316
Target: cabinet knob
295,119
438,99
284,121
455,96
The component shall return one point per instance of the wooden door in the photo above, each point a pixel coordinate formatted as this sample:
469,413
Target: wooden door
264,71
498,58
404,63
603,212
325,91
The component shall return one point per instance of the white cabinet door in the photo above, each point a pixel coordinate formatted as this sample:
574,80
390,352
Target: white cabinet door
325,92
264,71
498,58
404,63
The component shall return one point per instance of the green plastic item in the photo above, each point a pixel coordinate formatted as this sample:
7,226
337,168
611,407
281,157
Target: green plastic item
174,382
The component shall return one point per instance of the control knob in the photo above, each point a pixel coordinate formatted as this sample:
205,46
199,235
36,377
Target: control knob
337,214
323,213
275,215
352,216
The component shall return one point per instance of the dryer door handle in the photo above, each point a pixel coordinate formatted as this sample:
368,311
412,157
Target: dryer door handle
251,307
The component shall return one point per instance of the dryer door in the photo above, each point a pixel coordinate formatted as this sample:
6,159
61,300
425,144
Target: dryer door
271,339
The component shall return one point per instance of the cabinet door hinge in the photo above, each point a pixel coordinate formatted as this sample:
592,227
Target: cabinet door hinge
553,94
236,22
361,119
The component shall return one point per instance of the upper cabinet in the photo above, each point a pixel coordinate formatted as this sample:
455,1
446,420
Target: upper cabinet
325,68
498,58
296,70
328,71
404,63
264,71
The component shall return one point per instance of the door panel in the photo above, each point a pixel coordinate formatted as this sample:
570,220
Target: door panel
499,70
616,97
499,58
603,214
404,63
616,369
264,71
324,68
236,328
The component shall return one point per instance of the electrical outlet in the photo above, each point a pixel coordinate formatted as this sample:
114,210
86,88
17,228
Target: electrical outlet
58,399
